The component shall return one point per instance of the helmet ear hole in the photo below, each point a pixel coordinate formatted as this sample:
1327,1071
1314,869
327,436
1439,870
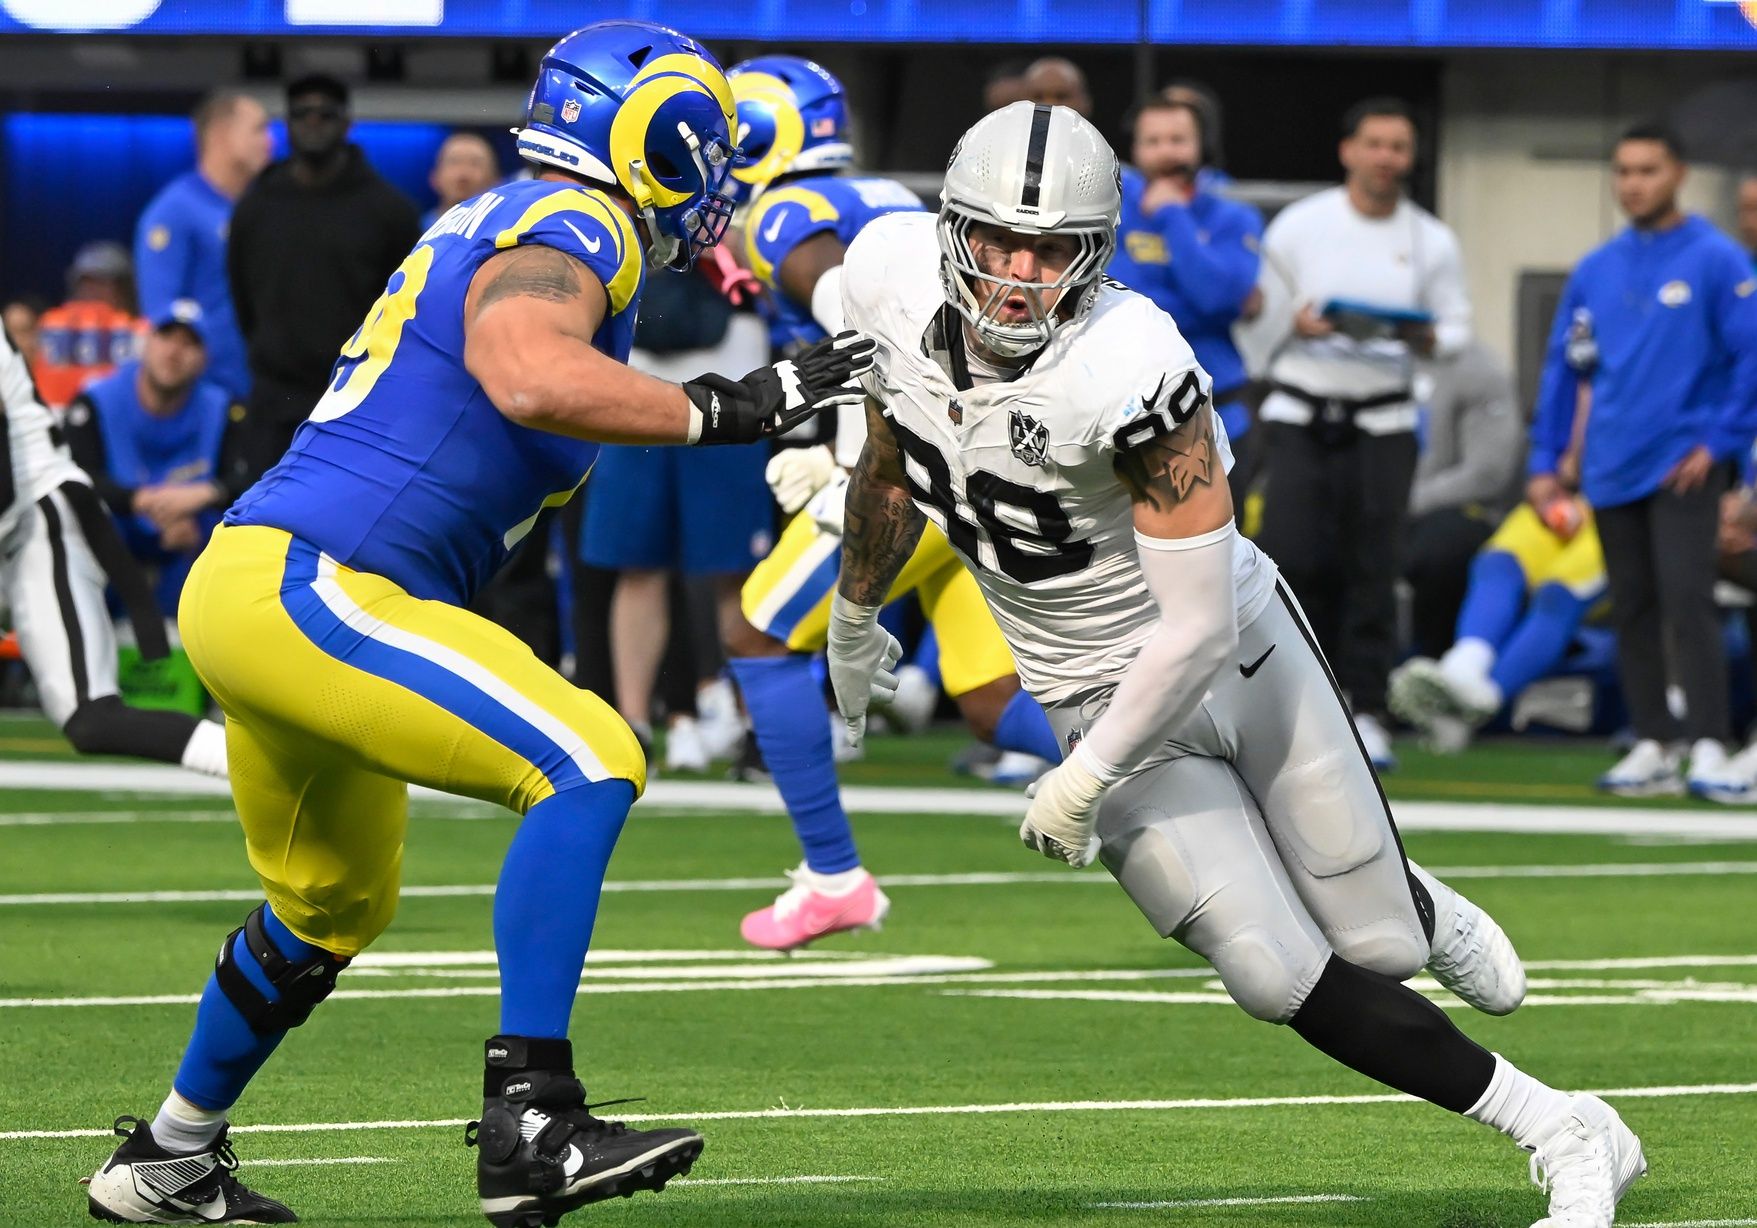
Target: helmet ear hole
662,166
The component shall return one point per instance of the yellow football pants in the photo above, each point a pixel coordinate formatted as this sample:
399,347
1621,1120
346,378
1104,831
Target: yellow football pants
339,690
788,597
1576,563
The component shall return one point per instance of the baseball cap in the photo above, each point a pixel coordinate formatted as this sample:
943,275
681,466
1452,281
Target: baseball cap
100,259
185,313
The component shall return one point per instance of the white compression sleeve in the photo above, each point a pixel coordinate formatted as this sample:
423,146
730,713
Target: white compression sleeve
826,301
1191,579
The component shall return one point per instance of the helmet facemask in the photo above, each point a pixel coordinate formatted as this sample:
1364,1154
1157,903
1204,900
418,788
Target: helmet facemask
676,237
963,275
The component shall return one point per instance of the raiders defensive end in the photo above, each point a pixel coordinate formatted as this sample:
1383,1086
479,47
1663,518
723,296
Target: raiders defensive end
58,550
1057,427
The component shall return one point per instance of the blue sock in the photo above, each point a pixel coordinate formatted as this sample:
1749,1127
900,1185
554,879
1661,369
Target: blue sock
547,899
1494,598
1023,726
927,655
792,729
224,1053
1541,640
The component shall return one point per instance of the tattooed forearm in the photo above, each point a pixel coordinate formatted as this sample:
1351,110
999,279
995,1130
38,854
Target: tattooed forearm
1167,470
882,523
532,272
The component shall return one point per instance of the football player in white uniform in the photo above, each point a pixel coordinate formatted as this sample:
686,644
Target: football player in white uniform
1058,429
58,549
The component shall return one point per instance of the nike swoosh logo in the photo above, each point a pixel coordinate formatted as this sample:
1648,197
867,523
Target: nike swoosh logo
1250,670
774,230
592,245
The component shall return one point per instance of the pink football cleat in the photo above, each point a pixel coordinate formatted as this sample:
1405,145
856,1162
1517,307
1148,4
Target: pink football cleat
807,911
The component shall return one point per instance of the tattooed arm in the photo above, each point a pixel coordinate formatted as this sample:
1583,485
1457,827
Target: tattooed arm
529,319
882,523
1176,481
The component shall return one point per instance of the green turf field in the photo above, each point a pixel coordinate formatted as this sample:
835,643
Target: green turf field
982,1061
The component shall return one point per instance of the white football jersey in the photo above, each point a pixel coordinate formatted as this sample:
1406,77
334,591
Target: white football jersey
1019,473
40,462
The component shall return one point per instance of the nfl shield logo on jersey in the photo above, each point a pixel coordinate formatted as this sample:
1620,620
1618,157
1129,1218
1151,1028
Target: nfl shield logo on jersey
1030,438
570,110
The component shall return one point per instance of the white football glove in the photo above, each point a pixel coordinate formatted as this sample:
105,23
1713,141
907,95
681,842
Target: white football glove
829,507
796,474
1062,820
861,655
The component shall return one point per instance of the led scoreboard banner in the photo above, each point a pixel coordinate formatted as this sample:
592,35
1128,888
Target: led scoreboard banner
1635,24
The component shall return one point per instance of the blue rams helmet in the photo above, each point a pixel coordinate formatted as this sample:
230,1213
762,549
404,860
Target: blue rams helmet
792,118
646,110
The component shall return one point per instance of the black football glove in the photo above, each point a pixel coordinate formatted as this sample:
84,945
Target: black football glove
774,399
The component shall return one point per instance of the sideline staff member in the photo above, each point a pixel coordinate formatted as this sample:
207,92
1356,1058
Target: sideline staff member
1378,282
1193,253
1672,303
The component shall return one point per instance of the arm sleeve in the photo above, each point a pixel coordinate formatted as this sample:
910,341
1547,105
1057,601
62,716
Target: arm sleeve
1736,322
86,441
1557,391
1197,634
1488,429
162,258
1218,274
1447,297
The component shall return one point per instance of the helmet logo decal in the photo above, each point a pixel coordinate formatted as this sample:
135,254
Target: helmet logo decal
570,110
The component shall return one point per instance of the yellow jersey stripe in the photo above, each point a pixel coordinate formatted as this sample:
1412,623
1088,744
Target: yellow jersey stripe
622,286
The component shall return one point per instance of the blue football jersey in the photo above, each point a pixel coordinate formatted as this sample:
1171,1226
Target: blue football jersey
405,468
792,212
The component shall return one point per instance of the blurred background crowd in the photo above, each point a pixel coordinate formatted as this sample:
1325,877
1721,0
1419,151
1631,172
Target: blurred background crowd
1481,328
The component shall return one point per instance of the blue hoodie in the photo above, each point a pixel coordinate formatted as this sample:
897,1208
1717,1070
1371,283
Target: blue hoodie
1674,317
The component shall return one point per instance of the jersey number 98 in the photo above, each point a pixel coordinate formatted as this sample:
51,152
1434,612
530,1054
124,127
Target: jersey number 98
1026,527
369,351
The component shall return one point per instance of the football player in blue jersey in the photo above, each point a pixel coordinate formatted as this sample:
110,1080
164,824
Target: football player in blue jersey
803,210
327,618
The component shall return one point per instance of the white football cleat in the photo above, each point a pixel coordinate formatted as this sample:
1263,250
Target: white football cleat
1716,776
1375,741
722,726
1473,957
1648,770
911,708
1587,1164
684,751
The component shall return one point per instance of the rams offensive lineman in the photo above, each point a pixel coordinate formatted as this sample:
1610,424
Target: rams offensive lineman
803,212
1213,765
327,618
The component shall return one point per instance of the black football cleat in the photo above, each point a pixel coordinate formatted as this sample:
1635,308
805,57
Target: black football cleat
539,1151
142,1183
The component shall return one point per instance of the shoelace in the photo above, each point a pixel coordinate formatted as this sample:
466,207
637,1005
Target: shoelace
1570,1175
794,898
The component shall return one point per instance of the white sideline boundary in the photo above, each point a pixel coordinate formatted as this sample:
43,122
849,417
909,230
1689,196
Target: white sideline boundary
804,1180
320,1163
696,796
939,1110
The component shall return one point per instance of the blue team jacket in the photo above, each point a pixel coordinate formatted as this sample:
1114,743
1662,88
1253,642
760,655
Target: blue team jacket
1198,263
180,252
1674,317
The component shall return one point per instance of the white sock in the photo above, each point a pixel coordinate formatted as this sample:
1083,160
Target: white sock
1469,656
1518,1105
206,751
837,884
183,1128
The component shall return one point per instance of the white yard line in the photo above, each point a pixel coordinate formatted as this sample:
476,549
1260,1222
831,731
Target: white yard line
1284,1200
1682,869
696,796
939,1110
320,1163
1694,1223
767,1180
1743,995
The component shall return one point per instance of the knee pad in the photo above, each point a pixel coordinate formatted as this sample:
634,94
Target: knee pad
1395,947
1268,981
299,984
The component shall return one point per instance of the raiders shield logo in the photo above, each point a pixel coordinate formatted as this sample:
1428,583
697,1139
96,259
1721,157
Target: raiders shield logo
1030,438
570,110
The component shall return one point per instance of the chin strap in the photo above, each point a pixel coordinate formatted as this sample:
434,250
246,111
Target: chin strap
661,248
